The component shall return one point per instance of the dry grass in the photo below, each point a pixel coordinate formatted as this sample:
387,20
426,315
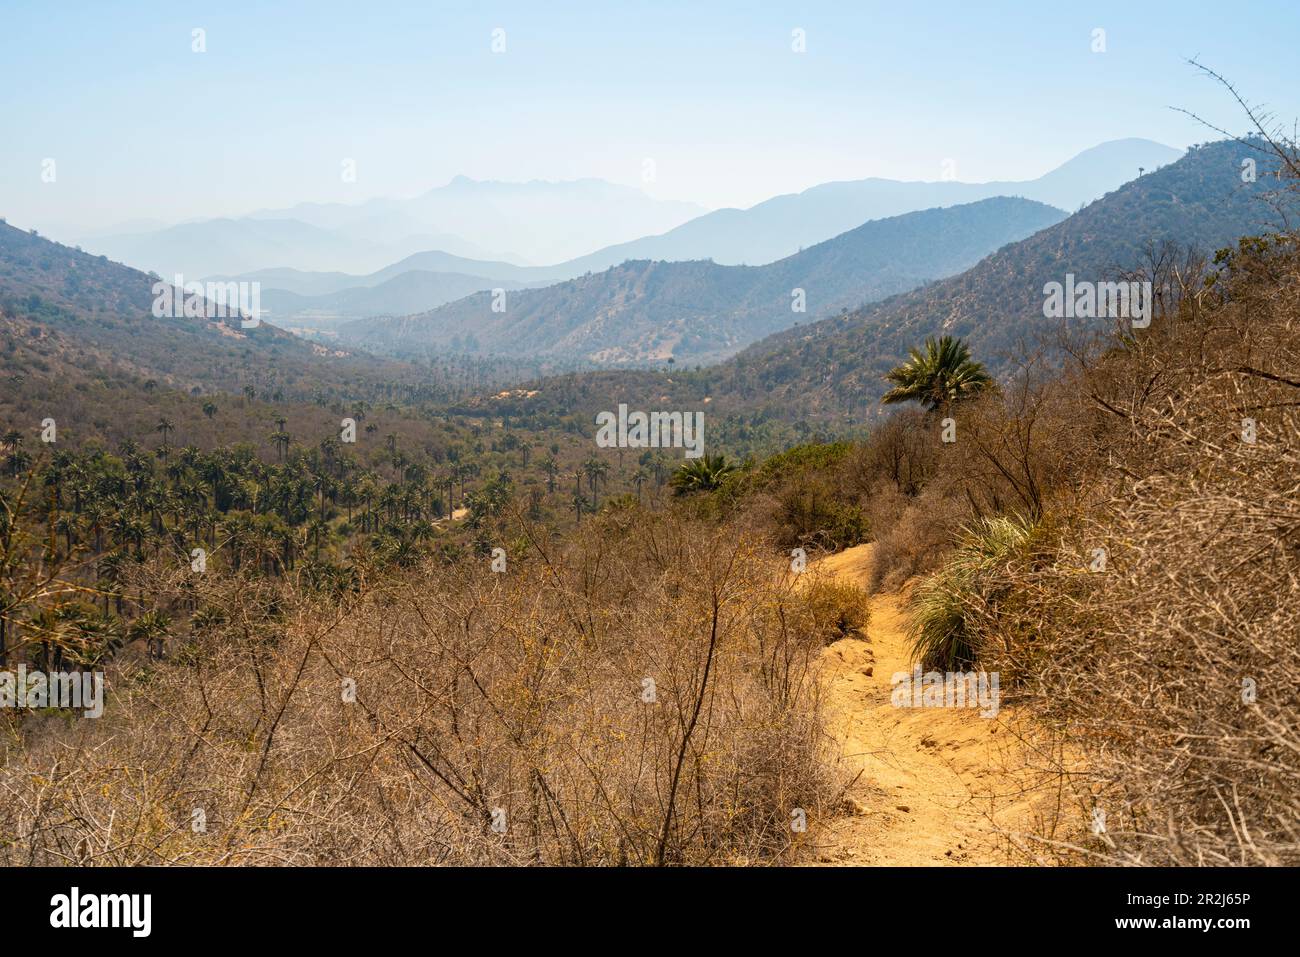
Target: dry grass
498,719
1176,668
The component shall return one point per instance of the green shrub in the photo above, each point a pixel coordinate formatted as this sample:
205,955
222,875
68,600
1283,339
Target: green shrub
816,457
813,517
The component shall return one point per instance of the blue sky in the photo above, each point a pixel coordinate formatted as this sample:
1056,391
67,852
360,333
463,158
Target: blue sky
141,127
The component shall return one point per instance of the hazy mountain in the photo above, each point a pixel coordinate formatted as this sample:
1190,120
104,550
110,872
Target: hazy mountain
540,221
414,290
306,283
782,225
537,220
766,232
417,283
700,311
232,246
838,364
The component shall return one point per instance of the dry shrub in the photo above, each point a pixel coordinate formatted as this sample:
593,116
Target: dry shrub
645,696
900,454
1013,448
1177,667
839,609
918,536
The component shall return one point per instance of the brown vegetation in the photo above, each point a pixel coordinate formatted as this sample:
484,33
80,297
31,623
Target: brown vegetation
645,696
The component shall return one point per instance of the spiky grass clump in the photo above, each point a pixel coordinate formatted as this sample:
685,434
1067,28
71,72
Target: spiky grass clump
943,637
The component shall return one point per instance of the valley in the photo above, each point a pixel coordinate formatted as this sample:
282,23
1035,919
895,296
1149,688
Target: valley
610,441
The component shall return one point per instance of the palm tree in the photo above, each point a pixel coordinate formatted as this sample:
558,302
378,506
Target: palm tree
129,530
152,628
937,377
319,533
552,468
701,475
595,470
280,440
111,572
18,460
67,526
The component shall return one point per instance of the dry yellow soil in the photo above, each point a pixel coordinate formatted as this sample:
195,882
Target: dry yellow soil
930,786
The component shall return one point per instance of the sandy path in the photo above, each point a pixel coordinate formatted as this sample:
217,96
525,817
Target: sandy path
933,784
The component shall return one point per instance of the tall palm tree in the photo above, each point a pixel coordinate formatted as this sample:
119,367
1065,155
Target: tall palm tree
941,374
552,468
595,470
280,439
111,573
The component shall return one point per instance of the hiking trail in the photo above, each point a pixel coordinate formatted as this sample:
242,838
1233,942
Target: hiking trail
933,785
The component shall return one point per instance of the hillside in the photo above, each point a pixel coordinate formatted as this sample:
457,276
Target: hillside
102,310
700,311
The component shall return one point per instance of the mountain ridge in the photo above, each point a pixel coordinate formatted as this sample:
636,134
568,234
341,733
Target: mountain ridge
699,311
997,305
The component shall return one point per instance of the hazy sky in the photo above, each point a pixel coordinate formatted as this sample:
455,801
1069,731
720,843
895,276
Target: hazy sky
142,127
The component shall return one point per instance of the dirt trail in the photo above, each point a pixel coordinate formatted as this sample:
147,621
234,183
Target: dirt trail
934,783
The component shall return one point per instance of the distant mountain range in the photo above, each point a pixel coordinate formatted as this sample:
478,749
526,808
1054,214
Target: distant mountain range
417,283
405,293
320,249
79,325
306,283
700,311
769,231
197,250
785,224
536,221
